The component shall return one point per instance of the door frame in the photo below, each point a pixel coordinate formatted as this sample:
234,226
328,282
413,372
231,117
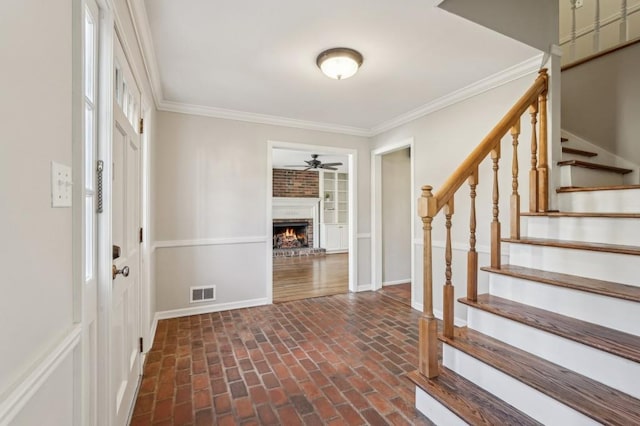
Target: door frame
352,155
376,210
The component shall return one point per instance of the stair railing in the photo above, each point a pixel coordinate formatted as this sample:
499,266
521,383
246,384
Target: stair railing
430,204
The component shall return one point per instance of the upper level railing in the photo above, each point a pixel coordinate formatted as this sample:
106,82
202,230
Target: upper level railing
430,204
588,27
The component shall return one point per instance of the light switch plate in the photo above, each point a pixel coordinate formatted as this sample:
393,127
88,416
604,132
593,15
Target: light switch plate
61,185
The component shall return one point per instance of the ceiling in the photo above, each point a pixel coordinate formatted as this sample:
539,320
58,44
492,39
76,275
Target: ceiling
257,58
281,158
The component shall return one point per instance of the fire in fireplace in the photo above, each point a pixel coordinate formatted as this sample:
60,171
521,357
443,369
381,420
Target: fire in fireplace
290,235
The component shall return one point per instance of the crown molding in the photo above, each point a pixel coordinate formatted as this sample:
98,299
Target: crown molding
496,80
140,20
260,118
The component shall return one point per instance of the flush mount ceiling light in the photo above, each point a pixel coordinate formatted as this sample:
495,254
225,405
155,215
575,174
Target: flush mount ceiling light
339,63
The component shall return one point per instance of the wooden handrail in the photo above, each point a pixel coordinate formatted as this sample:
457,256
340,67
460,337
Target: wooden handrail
429,204
464,170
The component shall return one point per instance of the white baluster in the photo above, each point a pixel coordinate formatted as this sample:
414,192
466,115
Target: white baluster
596,29
624,34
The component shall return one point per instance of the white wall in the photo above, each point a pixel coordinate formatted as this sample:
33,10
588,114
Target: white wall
463,126
601,102
211,185
533,22
396,216
36,307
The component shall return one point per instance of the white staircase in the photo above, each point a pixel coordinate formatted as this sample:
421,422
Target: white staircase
556,341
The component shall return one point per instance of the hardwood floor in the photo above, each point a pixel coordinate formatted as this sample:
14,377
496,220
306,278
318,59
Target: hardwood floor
302,277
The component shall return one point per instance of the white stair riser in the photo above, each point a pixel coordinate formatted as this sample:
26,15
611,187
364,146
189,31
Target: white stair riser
580,176
606,311
625,231
612,370
526,399
621,268
620,201
435,411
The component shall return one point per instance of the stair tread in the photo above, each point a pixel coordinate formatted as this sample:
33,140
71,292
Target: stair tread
468,401
580,245
605,288
564,139
595,166
584,214
590,397
606,339
595,188
567,150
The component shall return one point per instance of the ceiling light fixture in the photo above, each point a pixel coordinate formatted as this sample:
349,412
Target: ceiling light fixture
339,63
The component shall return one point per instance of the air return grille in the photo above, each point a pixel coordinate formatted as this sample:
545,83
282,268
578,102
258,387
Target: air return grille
202,294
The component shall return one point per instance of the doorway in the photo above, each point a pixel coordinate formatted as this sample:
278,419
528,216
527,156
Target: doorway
311,221
393,217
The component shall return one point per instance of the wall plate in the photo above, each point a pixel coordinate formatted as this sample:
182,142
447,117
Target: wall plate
61,185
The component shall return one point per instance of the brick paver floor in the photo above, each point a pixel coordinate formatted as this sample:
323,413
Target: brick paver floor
325,361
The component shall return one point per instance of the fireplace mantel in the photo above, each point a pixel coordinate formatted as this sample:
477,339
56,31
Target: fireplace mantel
299,208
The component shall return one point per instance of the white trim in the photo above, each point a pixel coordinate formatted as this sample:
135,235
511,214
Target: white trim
352,155
396,282
556,50
493,81
185,312
23,392
603,23
376,208
251,117
209,242
364,287
458,246
363,236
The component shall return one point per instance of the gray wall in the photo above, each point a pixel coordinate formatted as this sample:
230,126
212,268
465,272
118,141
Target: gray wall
396,216
211,183
36,307
533,22
601,102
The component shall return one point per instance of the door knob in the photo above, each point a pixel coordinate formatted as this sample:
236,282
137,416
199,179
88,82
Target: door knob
115,271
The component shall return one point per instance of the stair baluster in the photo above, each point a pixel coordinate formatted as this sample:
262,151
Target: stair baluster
533,173
543,168
447,306
495,224
515,197
472,256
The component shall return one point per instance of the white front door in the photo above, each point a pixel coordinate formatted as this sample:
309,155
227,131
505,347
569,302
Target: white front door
124,327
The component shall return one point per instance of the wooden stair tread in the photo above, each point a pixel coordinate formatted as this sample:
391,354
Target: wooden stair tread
564,139
567,150
579,245
590,285
468,401
593,399
585,214
615,342
594,166
595,188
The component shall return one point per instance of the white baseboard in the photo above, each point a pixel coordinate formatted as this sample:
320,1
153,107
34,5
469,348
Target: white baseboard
396,282
22,393
364,287
185,312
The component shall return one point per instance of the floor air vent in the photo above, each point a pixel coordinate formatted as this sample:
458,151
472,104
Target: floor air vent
202,294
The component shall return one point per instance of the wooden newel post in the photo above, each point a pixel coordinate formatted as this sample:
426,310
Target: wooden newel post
428,351
543,167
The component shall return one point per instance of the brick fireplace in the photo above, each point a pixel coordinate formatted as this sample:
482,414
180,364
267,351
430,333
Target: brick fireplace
292,233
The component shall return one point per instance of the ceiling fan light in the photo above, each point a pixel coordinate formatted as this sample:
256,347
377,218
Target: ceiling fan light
339,63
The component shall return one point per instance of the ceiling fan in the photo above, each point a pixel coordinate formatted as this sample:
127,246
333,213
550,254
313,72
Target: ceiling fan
314,163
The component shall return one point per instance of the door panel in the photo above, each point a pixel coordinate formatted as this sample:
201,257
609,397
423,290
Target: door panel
125,296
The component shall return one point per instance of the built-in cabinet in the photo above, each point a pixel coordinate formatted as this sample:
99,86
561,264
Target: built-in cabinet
334,226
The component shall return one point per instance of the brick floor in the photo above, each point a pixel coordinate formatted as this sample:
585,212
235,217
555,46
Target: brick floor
329,360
